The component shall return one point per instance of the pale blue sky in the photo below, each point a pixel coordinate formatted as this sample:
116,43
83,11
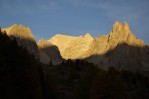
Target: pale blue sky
47,18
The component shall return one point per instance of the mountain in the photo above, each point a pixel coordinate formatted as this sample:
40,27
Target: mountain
72,47
45,51
23,36
87,72
120,48
49,52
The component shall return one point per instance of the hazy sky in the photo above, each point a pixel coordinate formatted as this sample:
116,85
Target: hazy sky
76,17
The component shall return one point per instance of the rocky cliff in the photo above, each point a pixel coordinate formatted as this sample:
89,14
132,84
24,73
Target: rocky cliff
72,47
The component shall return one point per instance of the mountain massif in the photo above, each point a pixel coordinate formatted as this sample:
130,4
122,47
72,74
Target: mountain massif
114,66
120,48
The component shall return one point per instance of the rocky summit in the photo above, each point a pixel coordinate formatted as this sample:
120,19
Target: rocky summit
122,33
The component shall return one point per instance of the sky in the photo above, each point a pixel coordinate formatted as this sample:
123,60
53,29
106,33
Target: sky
47,18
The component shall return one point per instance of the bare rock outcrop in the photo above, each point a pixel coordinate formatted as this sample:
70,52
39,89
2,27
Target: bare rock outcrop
72,47
121,33
61,41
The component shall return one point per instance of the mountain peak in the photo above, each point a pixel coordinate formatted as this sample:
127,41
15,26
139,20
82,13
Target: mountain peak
118,27
19,31
121,33
126,26
23,36
87,35
14,25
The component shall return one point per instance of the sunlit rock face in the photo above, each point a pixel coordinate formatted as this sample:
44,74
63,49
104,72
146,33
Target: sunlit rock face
23,36
49,52
72,47
121,33
61,41
81,47
120,48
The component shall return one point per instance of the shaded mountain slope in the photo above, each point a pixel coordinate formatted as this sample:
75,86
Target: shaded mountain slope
49,52
23,36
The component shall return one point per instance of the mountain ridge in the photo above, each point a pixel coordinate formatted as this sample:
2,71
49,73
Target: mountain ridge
124,43
79,47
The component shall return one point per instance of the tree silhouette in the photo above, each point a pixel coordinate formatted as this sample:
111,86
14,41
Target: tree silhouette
109,86
21,76
86,81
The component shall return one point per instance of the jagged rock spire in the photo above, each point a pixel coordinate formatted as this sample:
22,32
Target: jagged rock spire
121,33
126,26
121,27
